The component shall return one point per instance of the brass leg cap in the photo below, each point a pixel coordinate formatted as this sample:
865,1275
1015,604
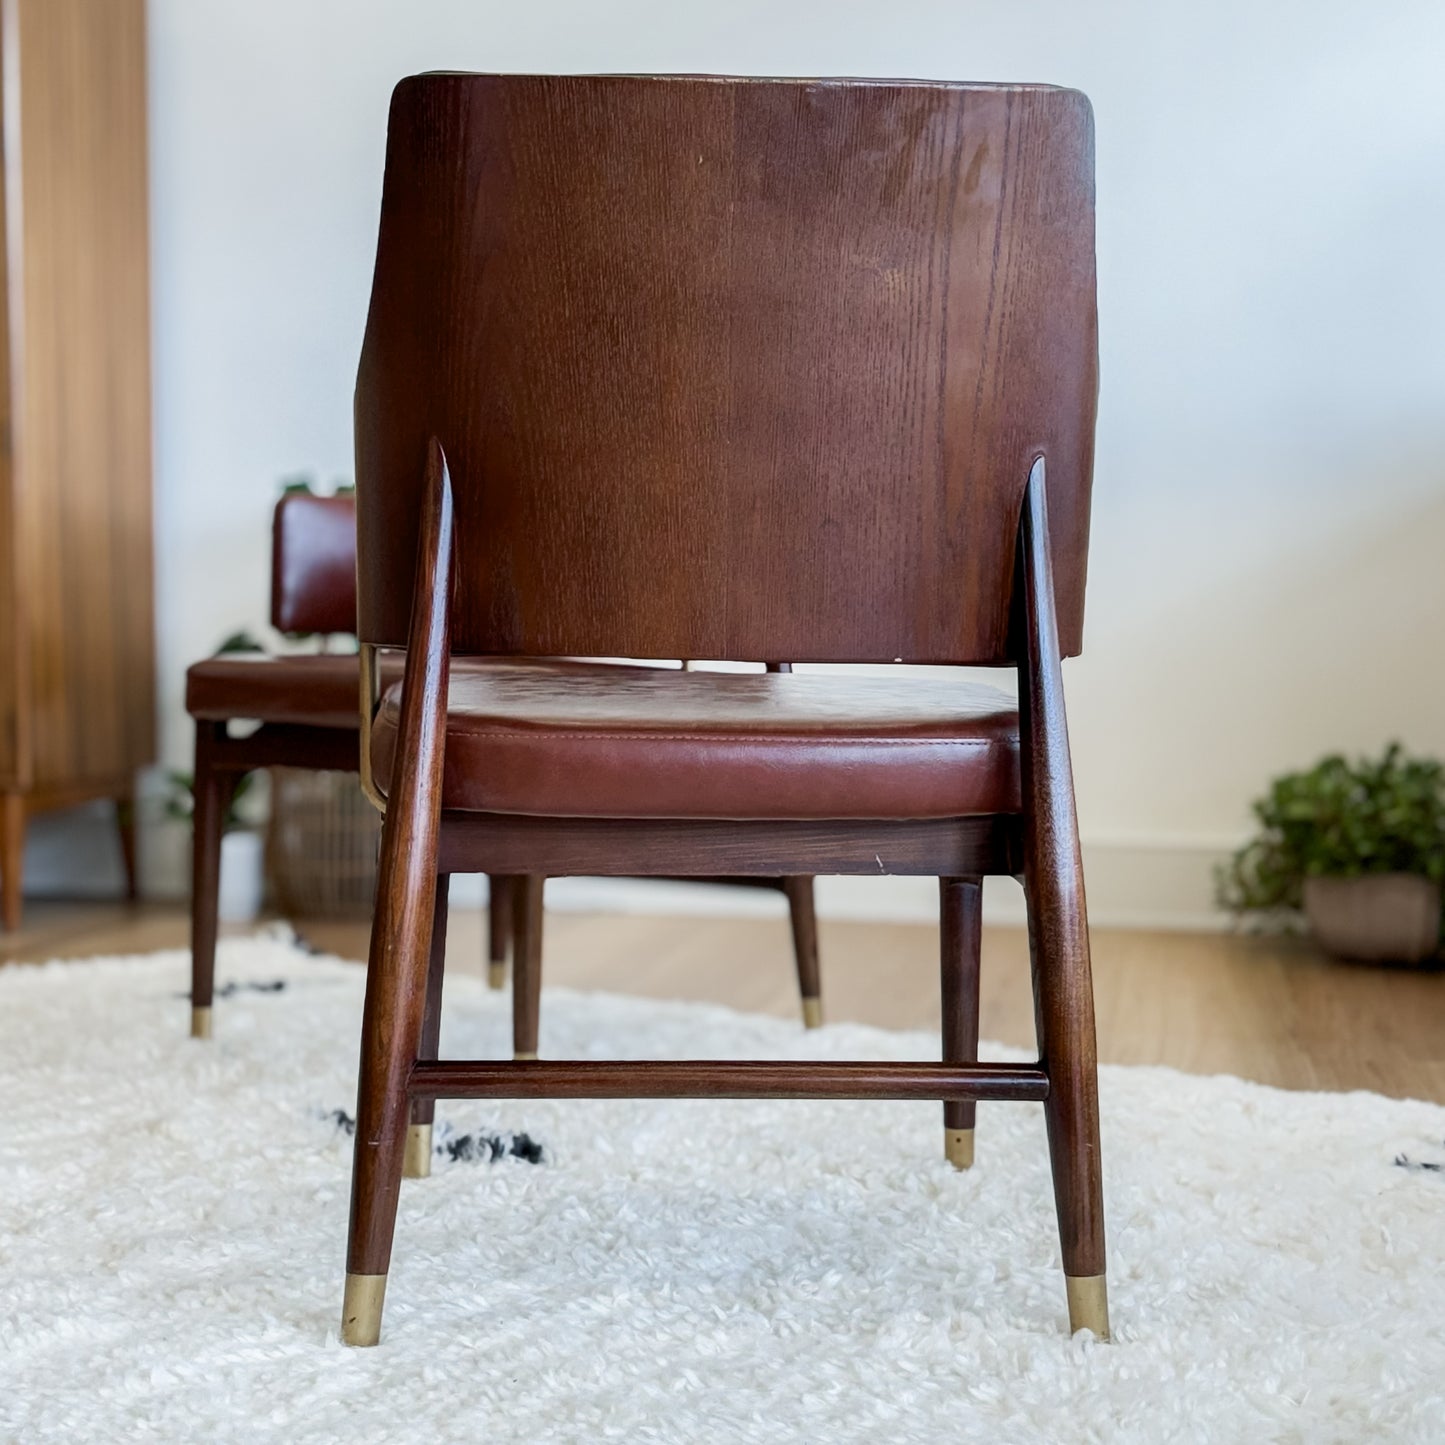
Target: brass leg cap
416,1161
496,975
812,1013
361,1309
201,1022
1088,1304
958,1147
523,1056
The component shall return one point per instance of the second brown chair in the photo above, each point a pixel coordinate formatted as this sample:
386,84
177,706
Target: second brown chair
307,705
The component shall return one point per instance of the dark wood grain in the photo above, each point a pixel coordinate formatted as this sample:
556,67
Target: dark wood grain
732,369
712,847
211,790
960,933
405,896
729,368
499,927
803,918
423,1110
527,894
727,1079
1053,879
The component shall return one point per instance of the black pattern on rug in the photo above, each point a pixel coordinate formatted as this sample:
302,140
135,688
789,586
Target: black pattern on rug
230,990
1430,1166
481,1146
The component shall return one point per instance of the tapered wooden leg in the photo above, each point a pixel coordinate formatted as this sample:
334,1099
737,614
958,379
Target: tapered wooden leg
960,939
417,1161
391,1031
805,947
499,928
401,930
1064,1003
526,965
1058,927
212,791
12,858
125,828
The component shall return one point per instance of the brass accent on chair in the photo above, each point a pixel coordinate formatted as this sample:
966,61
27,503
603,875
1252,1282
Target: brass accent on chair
812,1013
958,1147
201,1022
1088,1304
416,1162
361,1309
370,702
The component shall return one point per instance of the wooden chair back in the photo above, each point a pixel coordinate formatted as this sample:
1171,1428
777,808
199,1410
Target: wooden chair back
729,368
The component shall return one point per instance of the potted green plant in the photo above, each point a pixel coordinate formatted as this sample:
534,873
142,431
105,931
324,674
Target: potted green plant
1357,848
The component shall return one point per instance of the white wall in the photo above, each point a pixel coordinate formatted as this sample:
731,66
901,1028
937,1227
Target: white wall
1265,578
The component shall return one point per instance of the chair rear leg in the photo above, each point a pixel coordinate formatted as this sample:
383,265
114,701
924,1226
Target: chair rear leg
212,793
499,928
960,940
805,948
526,965
416,1163
1064,1005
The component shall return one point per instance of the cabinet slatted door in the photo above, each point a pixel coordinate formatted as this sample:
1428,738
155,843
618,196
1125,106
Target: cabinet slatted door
77,645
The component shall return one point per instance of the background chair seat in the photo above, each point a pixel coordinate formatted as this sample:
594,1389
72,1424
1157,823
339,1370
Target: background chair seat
317,690
565,739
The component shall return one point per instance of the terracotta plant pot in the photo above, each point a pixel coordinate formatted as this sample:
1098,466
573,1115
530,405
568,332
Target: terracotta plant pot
1390,918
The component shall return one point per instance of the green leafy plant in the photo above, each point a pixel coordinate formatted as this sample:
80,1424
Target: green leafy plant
1339,820
181,801
242,641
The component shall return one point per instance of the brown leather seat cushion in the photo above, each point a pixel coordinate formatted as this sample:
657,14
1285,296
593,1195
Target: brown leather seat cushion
564,739
319,691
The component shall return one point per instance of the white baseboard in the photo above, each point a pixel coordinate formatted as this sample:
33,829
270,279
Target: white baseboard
1138,882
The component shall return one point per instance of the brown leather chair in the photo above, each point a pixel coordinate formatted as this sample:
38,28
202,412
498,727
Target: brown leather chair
308,706
708,367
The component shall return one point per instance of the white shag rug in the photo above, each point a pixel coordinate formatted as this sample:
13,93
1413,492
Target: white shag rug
173,1219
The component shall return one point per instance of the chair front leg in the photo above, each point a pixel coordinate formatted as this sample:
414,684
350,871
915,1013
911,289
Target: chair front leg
804,918
960,941
416,1163
212,790
499,928
527,965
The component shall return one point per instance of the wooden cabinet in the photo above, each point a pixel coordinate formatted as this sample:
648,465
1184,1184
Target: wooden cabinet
77,648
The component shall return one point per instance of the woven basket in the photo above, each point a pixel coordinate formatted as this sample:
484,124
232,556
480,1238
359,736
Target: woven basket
321,845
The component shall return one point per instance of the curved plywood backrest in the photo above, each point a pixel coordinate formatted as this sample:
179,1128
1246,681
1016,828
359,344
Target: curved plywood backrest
729,368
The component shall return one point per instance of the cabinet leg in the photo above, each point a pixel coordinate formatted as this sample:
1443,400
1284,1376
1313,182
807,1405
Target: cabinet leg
12,858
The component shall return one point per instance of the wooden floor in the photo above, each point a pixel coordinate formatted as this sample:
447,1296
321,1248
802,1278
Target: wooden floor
1269,1010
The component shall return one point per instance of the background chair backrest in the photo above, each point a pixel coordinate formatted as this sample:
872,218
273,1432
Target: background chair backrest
729,368
313,564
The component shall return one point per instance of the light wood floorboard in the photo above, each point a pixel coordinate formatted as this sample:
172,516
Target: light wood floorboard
1266,1009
